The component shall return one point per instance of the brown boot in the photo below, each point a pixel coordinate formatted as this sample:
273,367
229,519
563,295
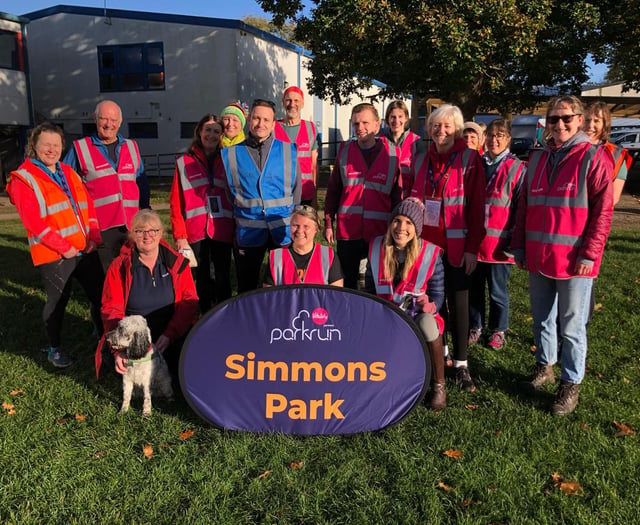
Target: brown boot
542,375
566,399
438,399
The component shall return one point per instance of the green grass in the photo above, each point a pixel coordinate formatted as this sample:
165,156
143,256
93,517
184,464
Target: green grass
55,468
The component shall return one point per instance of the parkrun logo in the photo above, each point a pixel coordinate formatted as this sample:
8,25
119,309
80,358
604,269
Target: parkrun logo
304,330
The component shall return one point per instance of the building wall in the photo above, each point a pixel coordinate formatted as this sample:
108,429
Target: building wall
206,67
14,109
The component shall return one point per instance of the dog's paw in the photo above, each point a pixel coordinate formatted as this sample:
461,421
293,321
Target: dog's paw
146,413
121,412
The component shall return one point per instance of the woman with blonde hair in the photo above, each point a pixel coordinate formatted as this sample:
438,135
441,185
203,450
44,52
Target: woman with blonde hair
449,179
407,270
149,278
304,261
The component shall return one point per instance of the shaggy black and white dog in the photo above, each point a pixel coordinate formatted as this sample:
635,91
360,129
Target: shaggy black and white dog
146,367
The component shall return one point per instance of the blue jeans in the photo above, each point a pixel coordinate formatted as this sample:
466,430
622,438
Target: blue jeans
560,308
496,277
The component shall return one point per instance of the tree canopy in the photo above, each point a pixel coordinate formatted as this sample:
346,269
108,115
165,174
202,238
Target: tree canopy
494,54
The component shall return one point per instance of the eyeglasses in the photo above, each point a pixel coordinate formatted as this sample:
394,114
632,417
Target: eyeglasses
150,233
497,136
565,118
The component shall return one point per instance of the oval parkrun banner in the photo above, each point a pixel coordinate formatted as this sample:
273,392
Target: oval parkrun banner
306,360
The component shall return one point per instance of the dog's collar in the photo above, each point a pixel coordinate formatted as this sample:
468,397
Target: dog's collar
148,357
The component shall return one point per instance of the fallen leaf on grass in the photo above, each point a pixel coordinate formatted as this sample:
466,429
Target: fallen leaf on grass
528,319
296,465
492,487
599,375
597,306
468,502
186,434
584,426
625,380
62,420
98,454
471,407
623,430
453,453
81,417
498,432
16,392
570,488
7,406
445,487
147,450
533,349
264,474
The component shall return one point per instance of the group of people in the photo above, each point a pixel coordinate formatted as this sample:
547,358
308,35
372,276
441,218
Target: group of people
427,228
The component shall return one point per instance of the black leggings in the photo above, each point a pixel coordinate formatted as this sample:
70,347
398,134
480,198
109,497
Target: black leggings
56,277
457,284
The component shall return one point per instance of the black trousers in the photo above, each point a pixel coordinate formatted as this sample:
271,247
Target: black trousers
350,253
112,241
212,288
456,285
56,277
249,263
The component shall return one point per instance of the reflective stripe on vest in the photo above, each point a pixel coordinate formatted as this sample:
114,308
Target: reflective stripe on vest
262,200
115,194
417,279
59,215
500,210
284,271
561,205
365,202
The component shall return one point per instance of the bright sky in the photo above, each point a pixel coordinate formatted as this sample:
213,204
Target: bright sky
235,9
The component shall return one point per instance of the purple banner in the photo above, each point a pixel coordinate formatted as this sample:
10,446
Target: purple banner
304,360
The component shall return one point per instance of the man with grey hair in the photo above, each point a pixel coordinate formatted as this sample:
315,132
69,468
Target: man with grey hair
112,170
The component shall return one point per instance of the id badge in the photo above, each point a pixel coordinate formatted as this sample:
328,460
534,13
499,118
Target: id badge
215,206
432,212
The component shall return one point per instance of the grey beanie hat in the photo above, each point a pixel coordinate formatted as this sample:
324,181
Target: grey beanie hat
412,208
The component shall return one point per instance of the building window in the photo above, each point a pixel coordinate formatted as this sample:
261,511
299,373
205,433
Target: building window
11,56
143,130
187,129
131,67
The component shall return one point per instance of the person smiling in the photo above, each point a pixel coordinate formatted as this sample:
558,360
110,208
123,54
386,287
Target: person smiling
265,184
304,135
304,261
562,224
112,170
449,179
62,228
410,144
151,279
233,118
201,215
363,187
408,271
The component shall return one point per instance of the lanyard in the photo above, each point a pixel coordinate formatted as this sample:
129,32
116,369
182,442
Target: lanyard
445,173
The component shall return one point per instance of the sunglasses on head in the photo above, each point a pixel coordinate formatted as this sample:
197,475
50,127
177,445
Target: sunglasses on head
565,118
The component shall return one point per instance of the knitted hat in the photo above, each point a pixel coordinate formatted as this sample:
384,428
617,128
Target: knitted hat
236,110
294,89
412,208
474,127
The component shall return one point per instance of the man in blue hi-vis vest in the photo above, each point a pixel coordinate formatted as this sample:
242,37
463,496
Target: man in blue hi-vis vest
265,185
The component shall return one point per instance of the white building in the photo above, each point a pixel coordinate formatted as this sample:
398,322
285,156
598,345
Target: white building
15,112
165,71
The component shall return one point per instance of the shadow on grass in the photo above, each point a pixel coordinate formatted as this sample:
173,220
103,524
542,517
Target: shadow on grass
22,299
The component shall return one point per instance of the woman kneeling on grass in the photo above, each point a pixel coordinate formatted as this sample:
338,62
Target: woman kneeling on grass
408,271
304,261
151,279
